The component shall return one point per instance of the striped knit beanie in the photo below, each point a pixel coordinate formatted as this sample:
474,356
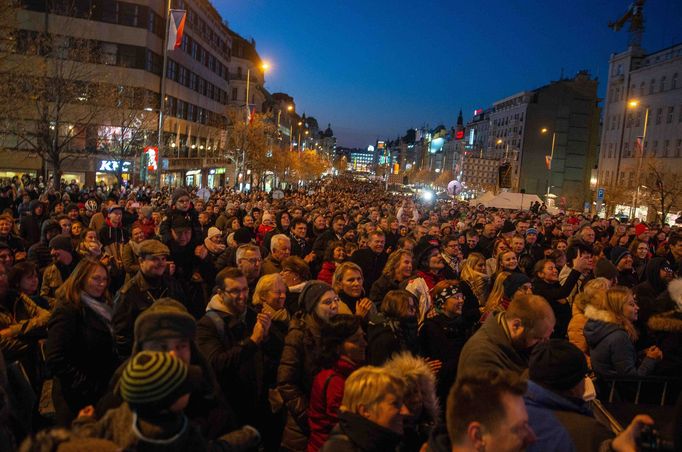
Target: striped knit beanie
155,380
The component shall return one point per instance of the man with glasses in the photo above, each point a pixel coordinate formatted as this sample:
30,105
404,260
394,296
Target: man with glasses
231,349
249,261
153,281
452,255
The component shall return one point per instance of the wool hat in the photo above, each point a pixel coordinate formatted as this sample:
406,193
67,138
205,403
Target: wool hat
441,297
513,282
311,294
153,381
557,364
243,235
180,223
531,231
213,231
177,194
62,242
605,269
618,253
165,318
641,228
153,247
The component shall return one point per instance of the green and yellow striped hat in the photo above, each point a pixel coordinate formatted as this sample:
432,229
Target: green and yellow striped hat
154,379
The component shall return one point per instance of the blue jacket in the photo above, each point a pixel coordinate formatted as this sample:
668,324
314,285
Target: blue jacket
612,352
561,424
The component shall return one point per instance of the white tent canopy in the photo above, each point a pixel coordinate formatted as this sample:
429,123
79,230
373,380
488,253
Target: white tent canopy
517,201
487,196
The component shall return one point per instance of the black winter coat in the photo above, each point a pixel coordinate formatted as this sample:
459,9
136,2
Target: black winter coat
555,295
355,433
81,357
372,265
387,336
136,296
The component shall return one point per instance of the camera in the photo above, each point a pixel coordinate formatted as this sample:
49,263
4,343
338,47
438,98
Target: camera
650,439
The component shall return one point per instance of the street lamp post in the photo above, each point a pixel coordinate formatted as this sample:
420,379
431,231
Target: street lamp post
551,158
635,200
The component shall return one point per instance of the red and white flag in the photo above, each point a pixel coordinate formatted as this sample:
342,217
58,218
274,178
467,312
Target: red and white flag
638,145
176,28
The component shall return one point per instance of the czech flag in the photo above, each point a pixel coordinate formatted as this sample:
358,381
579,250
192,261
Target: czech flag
176,28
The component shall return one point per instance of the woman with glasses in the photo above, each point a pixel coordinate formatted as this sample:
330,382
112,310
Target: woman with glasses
80,347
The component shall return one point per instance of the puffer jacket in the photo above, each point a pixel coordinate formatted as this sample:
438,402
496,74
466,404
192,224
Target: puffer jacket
613,353
295,374
355,433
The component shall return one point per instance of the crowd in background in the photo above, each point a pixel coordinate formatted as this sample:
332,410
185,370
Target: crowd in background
338,317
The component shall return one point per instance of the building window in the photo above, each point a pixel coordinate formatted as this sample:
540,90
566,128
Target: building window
669,118
654,148
127,14
234,93
678,148
172,70
659,115
626,150
652,84
662,87
641,88
631,179
666,148
673,84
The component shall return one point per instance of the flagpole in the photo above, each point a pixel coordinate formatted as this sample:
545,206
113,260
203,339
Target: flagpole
162,93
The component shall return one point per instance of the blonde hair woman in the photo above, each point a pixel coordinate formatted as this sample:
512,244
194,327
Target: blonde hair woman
611,336
593,294
473,275
495,298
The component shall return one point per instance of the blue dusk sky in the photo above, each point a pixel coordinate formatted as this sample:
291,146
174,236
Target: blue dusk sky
374,68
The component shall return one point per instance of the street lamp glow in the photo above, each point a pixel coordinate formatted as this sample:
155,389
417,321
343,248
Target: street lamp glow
544,130
633,104
290,108
265,66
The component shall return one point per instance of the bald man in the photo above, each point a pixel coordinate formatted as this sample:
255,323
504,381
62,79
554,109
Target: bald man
505,340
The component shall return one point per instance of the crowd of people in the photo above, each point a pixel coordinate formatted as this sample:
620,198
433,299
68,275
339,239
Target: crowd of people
338,317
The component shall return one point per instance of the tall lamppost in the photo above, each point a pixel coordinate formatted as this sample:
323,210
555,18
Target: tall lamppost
635,199
549,158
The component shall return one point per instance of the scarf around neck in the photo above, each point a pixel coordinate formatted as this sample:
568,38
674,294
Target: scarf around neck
98,307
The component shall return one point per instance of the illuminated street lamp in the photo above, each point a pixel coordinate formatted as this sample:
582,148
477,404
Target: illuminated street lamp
635,199
549,158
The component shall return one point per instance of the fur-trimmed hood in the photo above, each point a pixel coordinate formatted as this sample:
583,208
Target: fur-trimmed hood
593,313
600,324
675,291
416,372
668,322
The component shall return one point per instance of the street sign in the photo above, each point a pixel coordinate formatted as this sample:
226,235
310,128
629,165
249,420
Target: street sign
600,194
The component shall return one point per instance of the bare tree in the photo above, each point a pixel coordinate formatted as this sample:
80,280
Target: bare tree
664,189
54,97
250,141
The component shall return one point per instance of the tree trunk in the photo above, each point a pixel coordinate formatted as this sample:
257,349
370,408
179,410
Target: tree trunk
56,174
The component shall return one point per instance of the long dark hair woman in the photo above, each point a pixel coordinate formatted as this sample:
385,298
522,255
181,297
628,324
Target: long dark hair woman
80,346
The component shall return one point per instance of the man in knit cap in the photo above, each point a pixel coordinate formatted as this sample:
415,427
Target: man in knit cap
64,262
557,403
151,283
180,206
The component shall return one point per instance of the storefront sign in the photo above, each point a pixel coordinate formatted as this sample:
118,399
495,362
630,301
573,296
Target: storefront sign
111,166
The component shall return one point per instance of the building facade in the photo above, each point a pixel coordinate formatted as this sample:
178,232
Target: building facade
202,79
642,88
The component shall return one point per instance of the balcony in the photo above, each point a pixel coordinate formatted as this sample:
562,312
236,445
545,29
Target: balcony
188,163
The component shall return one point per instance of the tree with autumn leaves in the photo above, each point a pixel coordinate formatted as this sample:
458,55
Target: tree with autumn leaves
253,146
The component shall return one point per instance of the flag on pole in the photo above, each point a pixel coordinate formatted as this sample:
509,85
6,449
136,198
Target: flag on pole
548,162
176,28
638,145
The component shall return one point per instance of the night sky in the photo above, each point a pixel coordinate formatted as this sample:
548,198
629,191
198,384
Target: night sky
376,68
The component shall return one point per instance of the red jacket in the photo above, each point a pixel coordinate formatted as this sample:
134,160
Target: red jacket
327,272
323,410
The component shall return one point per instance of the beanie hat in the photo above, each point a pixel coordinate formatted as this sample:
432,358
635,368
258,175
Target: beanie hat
557,364
605,269
243,235
641,228
165,318
213,231
441,297
513,282
618,253
177,194
155,380
61,242
311,294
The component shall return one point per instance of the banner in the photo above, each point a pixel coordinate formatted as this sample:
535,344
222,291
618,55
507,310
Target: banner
176,28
